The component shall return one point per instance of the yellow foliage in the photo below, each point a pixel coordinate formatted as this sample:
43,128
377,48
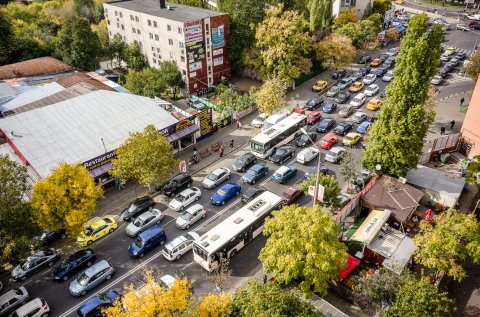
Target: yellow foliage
271,96
336,51
214,305
345,17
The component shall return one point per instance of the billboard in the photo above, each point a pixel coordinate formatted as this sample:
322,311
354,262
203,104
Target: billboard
218,36
193,31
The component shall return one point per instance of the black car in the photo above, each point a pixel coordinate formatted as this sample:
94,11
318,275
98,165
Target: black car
313,104
339,74
443,72
251,193
384,57
365,69
137,207
343,128
73,264
326,124
330,107
305,140
461,55
380,71
176,184
475,27
389,63
243,162
364,59
47,237
34,263
343,97
282,153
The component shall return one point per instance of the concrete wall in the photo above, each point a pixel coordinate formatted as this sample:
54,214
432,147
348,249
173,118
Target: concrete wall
471,124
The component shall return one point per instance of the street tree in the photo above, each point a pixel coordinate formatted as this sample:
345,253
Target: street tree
214,305
285,57
350,166
473,171
133,56
8,43
228,99
171,76
148,82
320,14
115,50
361,31
65,199
269,299
451,241
102,32
396,139
336,51
271,96
381,6
330,185
77,44
472,69
392,34
314,257
146,157
345,17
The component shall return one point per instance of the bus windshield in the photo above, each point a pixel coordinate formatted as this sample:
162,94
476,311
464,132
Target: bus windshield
259,148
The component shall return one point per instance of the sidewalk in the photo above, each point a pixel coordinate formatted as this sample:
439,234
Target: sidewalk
447,110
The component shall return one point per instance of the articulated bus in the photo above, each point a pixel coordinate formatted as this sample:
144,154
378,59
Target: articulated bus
263,144
232,234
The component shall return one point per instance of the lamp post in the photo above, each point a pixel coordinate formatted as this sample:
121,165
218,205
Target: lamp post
317,181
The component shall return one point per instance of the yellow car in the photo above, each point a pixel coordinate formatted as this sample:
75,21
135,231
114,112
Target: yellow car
374,104
356,86
450,51
320,85
96,230
351,139
375,62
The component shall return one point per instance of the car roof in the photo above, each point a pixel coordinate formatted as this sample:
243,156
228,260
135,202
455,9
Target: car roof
219,170
283,169
11,294
180,239
167,279
193,208
146,214
365,123
97,223
257,167
180,177
353,134
150,232
360,95
98,266
337,149
329,137
359,113
28,307
94,301
186,191
290,190
228,186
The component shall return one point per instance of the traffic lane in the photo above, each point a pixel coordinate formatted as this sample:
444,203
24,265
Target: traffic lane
461,39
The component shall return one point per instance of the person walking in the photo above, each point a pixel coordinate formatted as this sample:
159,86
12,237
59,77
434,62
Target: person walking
265,278
221,151
462,101
231,144
452,124
442,130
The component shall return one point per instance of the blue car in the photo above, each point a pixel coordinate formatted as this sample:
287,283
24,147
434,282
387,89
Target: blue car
94,305
224,194
147,240
364,126
255,172
313,170
330,107
284,173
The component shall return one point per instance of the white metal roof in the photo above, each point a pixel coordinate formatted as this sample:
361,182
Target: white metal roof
72,130
34,94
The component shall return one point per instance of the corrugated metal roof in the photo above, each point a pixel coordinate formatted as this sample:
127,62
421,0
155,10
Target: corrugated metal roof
31,95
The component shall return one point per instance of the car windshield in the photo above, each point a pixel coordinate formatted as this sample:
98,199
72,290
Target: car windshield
357,99
212,177
370,88
139,242
83,279
260,118
311,116
26,265
88,231
348,138
188,236
252,172
186,216
345,109
180,198
340,128
280,151
221,192
103,297
241,159
132,207
65,264
330,153
278,175
138,222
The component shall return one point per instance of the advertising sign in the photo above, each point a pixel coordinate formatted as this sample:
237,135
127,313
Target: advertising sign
193,31
182,167
218,61
218,37
311,190
320,193
194,66
218,52
195,52
205,118
99,160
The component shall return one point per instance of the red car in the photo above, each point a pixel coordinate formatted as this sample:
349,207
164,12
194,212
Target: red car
299,110
327,141
313,117
290,195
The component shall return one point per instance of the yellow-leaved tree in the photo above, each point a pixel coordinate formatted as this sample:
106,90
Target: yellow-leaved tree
65,199
336,51
214,305
271,96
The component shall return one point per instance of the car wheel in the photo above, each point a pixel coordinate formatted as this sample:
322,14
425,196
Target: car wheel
189,185
223,202
89,263
237,193
204,215
197,198
178,257
214,185
187,227
63,236
65,278
141,255
24,278
162,242
253,182
109,276
50,264
111,230
83,293
89,242
45,315
158,221
228,176
181,208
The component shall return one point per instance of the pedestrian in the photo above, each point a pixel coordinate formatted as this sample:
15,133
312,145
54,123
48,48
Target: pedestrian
442,130
221,151
239,125
462,101
231,144
265,279
452,124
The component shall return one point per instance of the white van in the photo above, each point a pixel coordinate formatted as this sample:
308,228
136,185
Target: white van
273,120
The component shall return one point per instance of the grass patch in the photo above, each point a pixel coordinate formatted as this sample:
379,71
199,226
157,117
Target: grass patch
463,109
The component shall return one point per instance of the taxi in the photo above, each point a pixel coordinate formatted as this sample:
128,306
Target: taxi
376,62
351,138
374,104
356,86
320,85
96,230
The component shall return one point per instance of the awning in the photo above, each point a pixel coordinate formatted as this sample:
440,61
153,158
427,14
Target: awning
101,170
352,263
183,133
401,256
371,226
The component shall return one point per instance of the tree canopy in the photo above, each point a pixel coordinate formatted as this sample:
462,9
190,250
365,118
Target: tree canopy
148,82
271,96
345,17
171,76
8,43
361,31
303,244
381,6
350,166
335,51
473,171
331,189
133,56
320,14
472,69
65,199
228,99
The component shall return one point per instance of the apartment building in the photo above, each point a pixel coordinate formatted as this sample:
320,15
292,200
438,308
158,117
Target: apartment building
195,39
359,6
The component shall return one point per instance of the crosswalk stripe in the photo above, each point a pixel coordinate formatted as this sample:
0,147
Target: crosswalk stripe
459,50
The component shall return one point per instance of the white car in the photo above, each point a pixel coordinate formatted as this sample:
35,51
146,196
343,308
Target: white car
393,51
436,80
462,27
306,155
258,121
371,90
190,216
335,154
185,198
359,117
216,177
143,222
35,308
179,246
166,281
369,79
358,100
388,76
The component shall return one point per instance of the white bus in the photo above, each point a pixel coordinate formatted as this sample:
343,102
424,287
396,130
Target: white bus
232,234
263,144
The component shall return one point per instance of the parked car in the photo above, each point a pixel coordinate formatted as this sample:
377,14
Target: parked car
94,306
35,308
364,59
313,170
346,111
344,83
185,198
259,120
374,104
190,216
96,230
216,177
371,90
356,76
388,77
224,194
343,97
389,63
358,100
284,173
364,127
327,141
147,240
176,184
137,207
326,124
392,51
369,79
290,195
91,277
380,71
454,61
244,161
46,238
443,72
343,128
460,55
356,86
319,85
306,155
339,74
445,57
179,246
143,222
74,263
196,104
462,27
313,103
365,69
251,193
313,117
282,153
361,180
351,139
330,107
359,117
376,62
335,154
255,173
33,264
13,299
342,199
333,91
437,80
306,140
383,57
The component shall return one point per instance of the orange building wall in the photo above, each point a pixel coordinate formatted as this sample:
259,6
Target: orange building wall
471,125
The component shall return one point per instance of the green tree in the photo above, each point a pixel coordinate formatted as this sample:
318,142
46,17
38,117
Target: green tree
115,50
284,56
368,10
77,44
65,199
315,256
473,171
350,166
381,6
148,82
392,34
171,76
396,139
101,30
344,18
146,157
362,31
335,51
320,14
271,96
132,55
331,188
261,300
472,69
7,44
452,240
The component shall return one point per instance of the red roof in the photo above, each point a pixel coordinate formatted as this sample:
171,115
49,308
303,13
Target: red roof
34,67
352,263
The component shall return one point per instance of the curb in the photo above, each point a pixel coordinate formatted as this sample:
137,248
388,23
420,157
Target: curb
453,95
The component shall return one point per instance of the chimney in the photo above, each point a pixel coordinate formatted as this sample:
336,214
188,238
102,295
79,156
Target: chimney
162,4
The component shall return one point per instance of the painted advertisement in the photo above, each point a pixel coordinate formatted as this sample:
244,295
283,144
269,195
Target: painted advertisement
218,61
218,52
195,52
205,118
218,37
193,67
193,31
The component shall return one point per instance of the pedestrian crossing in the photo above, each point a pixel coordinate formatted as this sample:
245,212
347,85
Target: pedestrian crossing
459,50
455,78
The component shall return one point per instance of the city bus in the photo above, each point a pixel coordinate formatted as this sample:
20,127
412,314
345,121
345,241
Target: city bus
231,235
263,144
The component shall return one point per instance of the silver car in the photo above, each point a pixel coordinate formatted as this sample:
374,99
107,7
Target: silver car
190,216
13,299
179,246
388,76
359,117
91,277
333,91
369,79
143,222
216,177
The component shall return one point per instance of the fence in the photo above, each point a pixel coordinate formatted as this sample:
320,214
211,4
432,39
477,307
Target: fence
431,148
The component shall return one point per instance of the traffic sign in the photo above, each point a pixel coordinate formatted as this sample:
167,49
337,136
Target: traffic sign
183,167
320,192
311,191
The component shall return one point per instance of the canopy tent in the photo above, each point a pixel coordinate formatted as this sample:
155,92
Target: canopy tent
352,263
371,226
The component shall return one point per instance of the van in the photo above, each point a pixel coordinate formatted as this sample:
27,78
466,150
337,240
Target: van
13,299
273,120
147,240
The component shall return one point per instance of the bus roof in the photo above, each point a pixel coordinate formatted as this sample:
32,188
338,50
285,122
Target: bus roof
278,128
236,223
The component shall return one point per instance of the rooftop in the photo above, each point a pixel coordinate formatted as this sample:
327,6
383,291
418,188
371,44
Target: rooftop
34,67
435,180
177,12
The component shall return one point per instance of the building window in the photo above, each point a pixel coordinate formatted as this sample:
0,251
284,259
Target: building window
208,54
184,73
138,31
154,60
131,17
108,22
182,59
156,37
140,43
137,19
150,35
116,13
123,27
179,30
149,22
158,50
153,49
181,45
170,42
169,27
106,10
155,24
118,26
134,31
121,15
208,41
109,33
209,69
171,55
207,28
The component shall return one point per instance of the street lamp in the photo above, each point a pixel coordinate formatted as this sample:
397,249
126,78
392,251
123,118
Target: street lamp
318,166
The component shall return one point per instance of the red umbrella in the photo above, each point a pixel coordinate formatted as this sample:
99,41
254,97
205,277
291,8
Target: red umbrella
428,214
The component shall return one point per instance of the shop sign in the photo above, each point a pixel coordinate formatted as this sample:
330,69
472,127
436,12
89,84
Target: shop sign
205,118
99,160
194,66
182,167
218,36
182,125
193,31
